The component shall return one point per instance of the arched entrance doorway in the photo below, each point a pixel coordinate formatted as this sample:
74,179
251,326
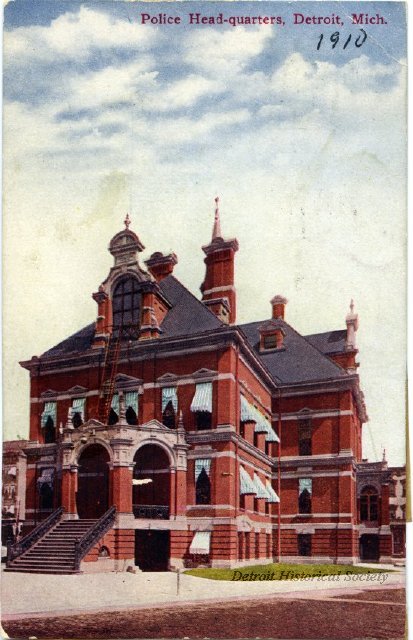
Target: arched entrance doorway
150,498
151,483
93,482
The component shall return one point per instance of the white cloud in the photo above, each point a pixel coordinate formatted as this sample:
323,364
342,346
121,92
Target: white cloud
111,85
74,36
225,52
185,92
309,159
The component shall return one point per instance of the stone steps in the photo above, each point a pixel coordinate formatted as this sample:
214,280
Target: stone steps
55,552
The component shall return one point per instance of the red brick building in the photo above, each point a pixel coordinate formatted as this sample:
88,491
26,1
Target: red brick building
156,428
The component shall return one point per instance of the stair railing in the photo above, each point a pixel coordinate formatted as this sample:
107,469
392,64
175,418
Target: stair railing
18,548
92,535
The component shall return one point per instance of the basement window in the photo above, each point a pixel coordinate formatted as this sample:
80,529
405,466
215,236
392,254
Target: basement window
304,544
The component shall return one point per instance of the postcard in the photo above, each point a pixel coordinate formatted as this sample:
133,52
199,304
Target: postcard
204,259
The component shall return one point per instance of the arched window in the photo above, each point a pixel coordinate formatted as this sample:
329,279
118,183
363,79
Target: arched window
126,304
203,488
113,417
369,505
131,417
49,431
77,420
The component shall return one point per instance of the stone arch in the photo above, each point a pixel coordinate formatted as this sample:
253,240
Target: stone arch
369,484
81,446
93,481
160,443
151,488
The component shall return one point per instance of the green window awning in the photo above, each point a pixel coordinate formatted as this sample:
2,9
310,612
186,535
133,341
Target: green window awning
202,400
247,486
49,411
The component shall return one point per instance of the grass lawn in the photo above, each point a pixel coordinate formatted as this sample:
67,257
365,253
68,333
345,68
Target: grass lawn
280,571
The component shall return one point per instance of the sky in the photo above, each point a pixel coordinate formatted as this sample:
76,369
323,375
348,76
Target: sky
306,147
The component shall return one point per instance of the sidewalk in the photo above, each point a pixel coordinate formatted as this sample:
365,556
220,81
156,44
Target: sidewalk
30,595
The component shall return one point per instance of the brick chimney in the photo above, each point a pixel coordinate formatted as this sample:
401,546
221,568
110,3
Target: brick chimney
218,291
161,266
278,307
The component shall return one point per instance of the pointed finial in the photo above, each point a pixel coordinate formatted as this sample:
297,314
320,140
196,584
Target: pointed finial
127,221
384,455
352,305
216,231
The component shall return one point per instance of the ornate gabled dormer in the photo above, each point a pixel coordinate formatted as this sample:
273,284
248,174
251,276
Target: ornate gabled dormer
218,291
271,335
129,301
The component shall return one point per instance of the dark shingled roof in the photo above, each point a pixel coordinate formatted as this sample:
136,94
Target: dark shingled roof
80,341
329,342
187,316
299,361
302,360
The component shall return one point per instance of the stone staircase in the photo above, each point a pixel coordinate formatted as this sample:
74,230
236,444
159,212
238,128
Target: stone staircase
55,551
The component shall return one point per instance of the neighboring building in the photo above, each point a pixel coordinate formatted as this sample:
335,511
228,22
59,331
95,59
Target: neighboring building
381,497
169,411
13,489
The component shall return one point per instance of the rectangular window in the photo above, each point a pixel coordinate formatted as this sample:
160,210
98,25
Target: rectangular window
242,501
257,545
364,508
240,545
202,481
201,405
304,438
78,411
270,342
305,490
304,544
247,545
268,538
49,413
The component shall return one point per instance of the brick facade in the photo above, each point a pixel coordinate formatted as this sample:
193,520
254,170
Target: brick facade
209,401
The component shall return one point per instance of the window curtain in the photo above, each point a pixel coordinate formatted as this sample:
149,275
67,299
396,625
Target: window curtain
78,406
131,400
305,484
115,403
46,477
202,463
169,394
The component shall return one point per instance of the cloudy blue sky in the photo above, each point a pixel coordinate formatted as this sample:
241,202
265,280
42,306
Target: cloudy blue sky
306,148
